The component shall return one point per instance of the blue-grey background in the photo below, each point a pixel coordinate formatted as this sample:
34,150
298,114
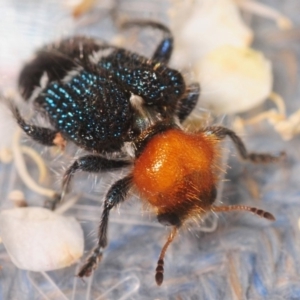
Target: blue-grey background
244,258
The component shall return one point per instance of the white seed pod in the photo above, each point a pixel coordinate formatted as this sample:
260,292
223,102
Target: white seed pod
38,239
234,79
289,127
208,25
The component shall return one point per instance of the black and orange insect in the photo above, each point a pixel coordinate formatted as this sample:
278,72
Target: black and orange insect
107,99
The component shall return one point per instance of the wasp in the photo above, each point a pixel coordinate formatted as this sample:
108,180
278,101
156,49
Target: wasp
106,99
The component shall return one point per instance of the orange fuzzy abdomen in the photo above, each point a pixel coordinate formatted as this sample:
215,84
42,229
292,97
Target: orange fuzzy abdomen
176,167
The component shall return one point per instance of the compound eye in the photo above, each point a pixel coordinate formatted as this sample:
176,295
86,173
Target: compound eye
169,219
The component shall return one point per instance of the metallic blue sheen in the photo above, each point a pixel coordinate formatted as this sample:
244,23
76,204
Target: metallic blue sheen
89,110
155,83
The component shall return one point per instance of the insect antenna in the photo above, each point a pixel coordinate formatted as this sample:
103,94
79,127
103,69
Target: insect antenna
259,212
159,275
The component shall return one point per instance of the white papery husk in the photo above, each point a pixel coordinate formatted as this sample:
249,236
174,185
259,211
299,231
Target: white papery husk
204,25
234,79
38,239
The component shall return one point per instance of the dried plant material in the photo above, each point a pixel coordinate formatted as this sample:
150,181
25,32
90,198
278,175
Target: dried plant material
23,172
82,7
6,156
283,36
212,36
18,198
234,79
38,239
234,278
273,115
289,127
38,160
204,25
265,11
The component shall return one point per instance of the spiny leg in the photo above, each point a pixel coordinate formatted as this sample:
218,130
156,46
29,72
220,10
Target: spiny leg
159,275
187,104
221,132
116,194
259,212
44,136
164,50
90,163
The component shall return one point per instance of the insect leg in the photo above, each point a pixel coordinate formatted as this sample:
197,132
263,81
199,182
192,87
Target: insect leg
188,103
221,132
116,194
90,163
44,136
164,50
49,63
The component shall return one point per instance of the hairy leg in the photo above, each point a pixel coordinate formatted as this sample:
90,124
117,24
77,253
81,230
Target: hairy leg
90,163
116,194
188,103
164,49
42,135
221,132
